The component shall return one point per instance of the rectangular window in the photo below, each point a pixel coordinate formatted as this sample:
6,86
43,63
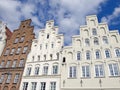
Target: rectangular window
36,70
2,78
16,40
114,70
43,86
34,85
12,51
99,70
8,78
2,64
16,79
25,85
18,50
25,49
78,55
28,71
14,63
8,63
45,70
7,52
87,55
85,71
21,64
72,72
52,85
55,69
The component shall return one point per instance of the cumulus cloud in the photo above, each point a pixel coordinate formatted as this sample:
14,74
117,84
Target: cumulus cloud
68,15
112,17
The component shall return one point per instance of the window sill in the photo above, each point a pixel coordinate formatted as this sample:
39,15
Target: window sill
114,76
100,77
85,77
72,78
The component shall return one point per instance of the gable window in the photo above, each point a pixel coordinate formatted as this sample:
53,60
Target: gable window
55,69
117,52
45,70
78,56
97,53
8,63
107,53
99,71
9,78
7,51
114,70
12,51
16,79
72,71
87,42
25,49
85,71
25,86
18,50
21,63
22,39
16,40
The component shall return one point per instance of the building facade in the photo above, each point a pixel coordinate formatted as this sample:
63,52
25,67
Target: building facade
5,34
92,62
14,56
42,69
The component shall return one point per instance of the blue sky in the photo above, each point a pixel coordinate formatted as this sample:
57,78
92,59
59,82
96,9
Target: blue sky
67,14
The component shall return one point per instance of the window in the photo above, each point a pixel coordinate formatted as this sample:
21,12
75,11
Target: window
51,56
87,42
32,58
94,32
64,60
34,85
72,72
107,53
38,57
45,70
28,71
25,85
43,86
7,51
14,63
117,52
97,53
47,36
18,50
105,40
114,70
21,63
37,70
46,46
22,39
25,49
78,56
16,40
2,64
55,69
44,57
52,85
40,46
88,55
8,78
16,79
57,56
8,63
2,78
12,51
85,71
99,71
96,42
52,45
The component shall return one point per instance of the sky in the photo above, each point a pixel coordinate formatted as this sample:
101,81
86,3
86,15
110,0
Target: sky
69,15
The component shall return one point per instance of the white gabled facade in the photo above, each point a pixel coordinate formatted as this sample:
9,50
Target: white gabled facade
42,69
92,62
3,36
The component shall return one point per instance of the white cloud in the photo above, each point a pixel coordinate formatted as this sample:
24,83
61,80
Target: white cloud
111,17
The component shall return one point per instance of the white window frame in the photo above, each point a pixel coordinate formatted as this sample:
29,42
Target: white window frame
86,71
99,70
37,70
52,85
34,85
78,55
107,53
45,70
28,72
72,72
55,69
42,85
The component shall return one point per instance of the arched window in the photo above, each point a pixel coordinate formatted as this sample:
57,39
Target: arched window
105,40
78,55
87,42
97,54
88,55
117,52
96,42
94,32
107,53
